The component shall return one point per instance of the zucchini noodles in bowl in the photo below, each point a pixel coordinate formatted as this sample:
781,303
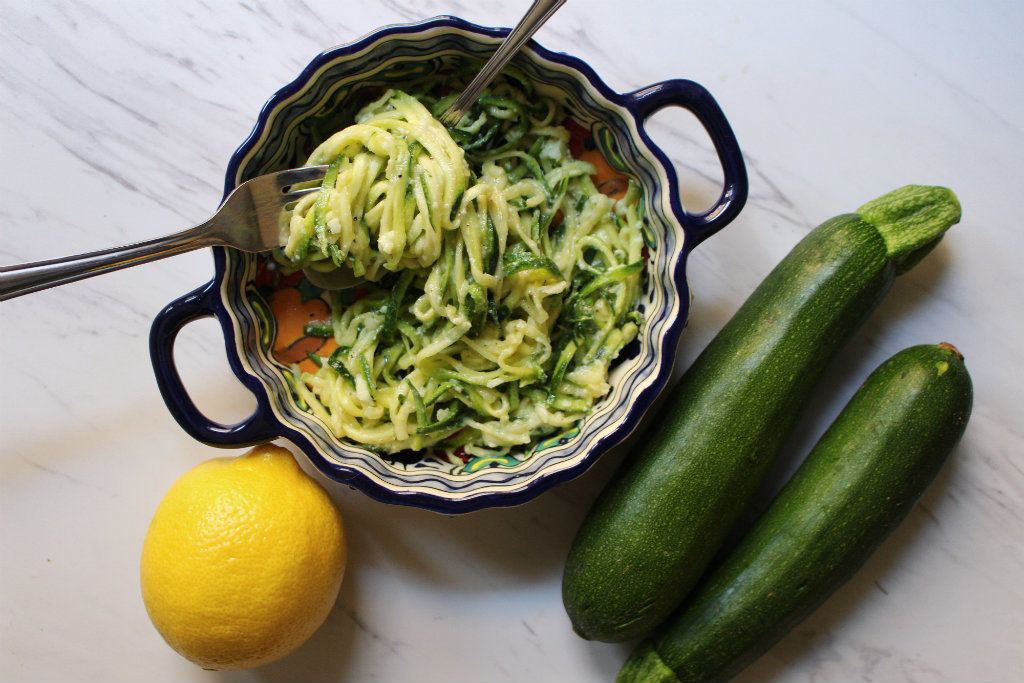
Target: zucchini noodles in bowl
486,322
501,282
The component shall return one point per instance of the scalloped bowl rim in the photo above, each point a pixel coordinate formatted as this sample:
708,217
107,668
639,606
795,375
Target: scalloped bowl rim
546,477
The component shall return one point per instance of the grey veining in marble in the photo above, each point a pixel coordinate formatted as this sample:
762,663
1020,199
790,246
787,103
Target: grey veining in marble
116,121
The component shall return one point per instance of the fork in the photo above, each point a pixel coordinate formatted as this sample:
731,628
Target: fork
247,220
256,203
540,11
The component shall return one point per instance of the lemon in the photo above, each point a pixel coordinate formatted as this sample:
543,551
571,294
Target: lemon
243,560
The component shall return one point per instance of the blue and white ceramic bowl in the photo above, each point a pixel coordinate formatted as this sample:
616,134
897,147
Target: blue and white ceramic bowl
322,100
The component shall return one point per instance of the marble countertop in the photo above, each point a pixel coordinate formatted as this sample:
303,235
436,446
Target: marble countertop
116,121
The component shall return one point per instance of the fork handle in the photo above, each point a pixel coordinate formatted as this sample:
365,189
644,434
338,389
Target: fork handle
32,277
539,12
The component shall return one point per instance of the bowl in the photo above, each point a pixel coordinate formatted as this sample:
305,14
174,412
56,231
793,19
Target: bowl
322,99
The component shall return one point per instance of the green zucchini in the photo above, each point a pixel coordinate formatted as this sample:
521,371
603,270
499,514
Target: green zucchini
318,328
656,526
855,487
518,257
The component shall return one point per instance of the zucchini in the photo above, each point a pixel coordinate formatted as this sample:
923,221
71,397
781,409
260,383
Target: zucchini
318,328
656,526
610,277
518,257
855,487
394,303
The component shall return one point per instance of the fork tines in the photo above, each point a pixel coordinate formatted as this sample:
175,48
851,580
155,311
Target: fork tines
294,176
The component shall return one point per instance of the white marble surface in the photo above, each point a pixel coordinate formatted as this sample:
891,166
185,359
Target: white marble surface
116,120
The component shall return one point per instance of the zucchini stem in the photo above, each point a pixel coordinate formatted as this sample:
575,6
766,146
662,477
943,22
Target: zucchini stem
912,220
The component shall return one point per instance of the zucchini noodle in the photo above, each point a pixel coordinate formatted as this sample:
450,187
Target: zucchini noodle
391,187
502,282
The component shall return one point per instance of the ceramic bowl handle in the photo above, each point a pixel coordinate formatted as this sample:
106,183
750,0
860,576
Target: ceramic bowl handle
697,100
257,428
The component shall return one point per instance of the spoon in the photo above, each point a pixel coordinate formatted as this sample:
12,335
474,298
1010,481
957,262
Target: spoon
540,11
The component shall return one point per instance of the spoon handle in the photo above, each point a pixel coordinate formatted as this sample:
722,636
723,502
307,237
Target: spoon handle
540,12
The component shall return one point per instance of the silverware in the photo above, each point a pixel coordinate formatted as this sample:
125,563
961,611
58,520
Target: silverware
247,220
539,12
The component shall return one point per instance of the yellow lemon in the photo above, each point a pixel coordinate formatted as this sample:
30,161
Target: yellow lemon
243,560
